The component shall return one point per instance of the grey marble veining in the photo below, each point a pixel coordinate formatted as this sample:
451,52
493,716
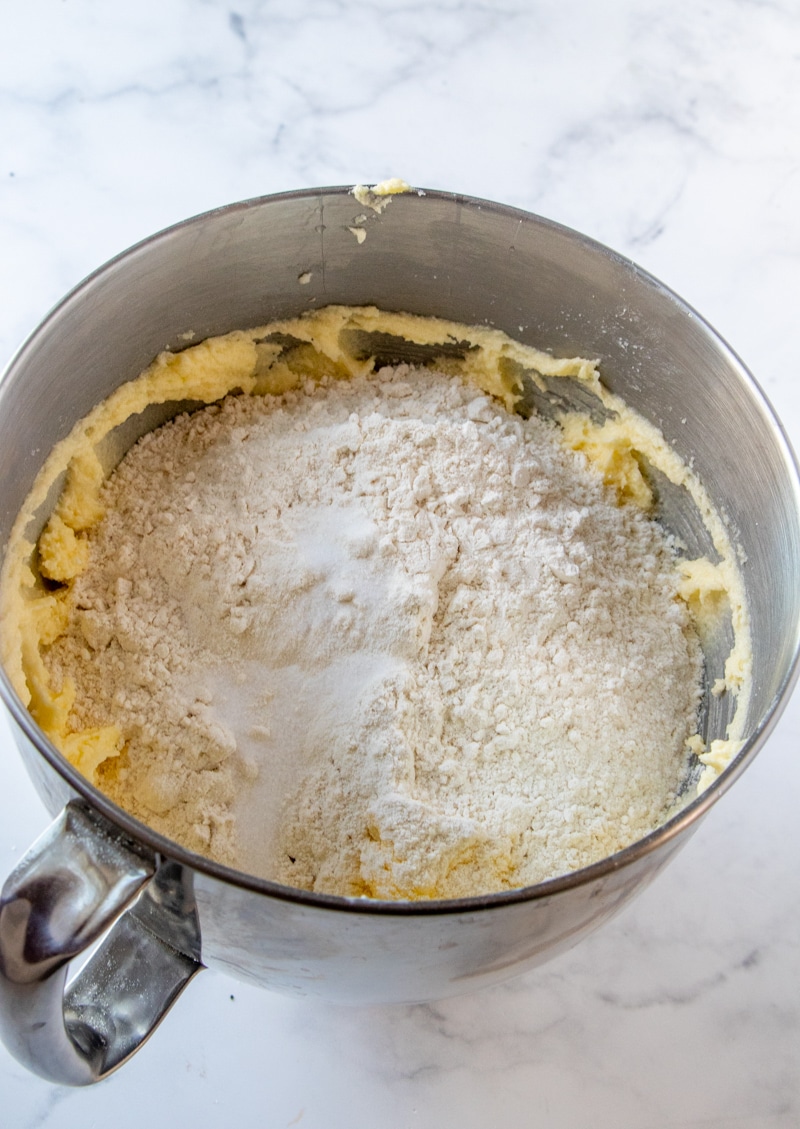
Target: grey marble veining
670,131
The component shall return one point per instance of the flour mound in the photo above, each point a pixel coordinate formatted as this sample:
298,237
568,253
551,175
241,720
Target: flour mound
380,637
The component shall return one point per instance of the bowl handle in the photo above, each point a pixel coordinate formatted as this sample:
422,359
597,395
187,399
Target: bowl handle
79,879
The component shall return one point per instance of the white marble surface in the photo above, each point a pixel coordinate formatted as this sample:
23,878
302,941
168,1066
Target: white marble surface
669,129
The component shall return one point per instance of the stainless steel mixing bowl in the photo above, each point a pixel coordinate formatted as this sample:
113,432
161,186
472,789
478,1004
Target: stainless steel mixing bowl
172,912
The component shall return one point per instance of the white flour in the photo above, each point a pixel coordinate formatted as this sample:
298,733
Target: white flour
383,638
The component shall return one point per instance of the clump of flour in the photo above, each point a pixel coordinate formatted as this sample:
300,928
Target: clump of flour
381,637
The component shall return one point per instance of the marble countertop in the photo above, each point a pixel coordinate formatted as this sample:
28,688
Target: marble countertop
667,129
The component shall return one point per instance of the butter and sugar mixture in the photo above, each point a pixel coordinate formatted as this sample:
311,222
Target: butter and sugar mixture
365,630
